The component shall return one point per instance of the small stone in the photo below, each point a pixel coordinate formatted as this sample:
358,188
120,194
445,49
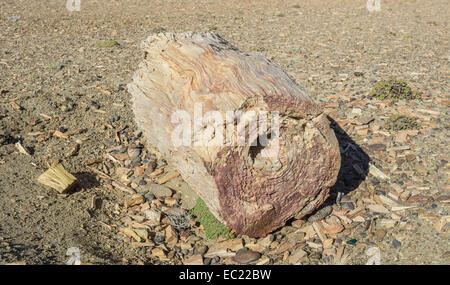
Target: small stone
159,253
265,242
396,243
297,256
244,256
159,238
159,190
347,206
131,233
134,152
200,250
377,147
149,196
94,105
352,241
171,236
153,216
136,161
380,233
170,201
330,229
134,200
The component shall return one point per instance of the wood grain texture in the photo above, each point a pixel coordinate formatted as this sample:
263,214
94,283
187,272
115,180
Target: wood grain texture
252,194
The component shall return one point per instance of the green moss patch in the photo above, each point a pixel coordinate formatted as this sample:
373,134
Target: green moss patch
399,122
107,44
394,89
213,228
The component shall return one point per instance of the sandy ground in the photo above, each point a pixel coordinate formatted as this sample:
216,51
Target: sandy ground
52,68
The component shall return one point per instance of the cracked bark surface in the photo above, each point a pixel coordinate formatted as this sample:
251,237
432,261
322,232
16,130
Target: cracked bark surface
250,192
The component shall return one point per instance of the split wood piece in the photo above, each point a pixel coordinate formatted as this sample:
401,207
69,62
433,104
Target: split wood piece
250,191
58,178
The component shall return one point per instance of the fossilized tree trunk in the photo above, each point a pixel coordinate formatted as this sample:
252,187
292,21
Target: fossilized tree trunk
244,186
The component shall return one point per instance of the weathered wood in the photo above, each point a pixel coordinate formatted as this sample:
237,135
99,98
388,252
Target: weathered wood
58,178
250,192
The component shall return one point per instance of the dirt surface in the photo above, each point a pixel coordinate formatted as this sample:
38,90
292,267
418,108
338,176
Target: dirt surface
59,79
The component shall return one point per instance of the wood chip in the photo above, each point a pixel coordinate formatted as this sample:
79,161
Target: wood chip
134,200
387,201
377,208
60,135
131,233
167,177
58,178
21,148
122,187
377,173
15,105
318,230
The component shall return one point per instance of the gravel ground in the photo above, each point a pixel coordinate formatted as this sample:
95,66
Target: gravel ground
54,76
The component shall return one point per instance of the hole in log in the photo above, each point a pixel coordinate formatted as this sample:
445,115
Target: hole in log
261,153
256,147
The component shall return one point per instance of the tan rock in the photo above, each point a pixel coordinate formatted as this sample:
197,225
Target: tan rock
296,256
330,229
135,199
158,252
194,260
171,235
232,244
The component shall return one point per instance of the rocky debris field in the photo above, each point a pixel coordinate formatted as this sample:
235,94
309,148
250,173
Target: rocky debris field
382,78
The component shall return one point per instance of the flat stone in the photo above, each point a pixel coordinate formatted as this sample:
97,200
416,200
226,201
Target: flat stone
380,233
159,190
134,200
134,152
265,242
396,243
153,216
200,250
246,256
347,206
297,256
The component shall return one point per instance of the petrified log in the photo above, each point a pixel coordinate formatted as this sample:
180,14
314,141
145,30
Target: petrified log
286,163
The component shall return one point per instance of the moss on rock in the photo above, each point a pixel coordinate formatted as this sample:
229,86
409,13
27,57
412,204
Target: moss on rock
399,122
213,228
393,89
